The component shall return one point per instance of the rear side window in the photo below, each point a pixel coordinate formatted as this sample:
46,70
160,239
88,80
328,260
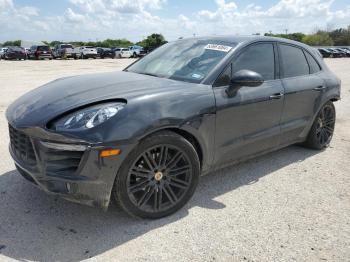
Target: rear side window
314,66
293,61
258,58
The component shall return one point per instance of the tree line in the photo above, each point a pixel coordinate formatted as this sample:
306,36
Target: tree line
337,37
150,42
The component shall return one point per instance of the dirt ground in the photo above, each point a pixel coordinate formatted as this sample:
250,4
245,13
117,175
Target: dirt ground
290,205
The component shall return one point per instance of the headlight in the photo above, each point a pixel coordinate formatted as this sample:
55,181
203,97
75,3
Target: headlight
88,117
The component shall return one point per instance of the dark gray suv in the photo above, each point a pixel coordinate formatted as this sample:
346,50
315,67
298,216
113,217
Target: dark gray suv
143,136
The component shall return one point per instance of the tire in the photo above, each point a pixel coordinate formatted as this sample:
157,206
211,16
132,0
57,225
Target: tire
120,56
167,175
322,129
82,56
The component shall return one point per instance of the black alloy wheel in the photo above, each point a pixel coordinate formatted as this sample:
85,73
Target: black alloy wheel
159,177
321,132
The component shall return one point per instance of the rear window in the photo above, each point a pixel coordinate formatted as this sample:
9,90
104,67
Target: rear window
43,48
293,61
66,46
15,48
89,47
125,49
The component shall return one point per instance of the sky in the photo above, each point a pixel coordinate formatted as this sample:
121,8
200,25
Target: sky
69,20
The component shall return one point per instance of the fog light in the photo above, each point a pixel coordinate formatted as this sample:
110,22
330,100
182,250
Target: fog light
110,152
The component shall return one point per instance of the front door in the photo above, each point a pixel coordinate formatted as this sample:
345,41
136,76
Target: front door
249,122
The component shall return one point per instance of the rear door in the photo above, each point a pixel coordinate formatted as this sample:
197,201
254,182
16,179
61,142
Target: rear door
249,122
303,90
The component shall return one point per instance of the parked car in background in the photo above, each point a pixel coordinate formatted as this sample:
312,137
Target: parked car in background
325,52
137,51
2,52
104,52
66,51
346,53
123,53
335,53
88,52
15,53
40,52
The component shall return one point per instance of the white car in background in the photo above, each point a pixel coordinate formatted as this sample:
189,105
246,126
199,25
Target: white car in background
123,53
88,52
2,52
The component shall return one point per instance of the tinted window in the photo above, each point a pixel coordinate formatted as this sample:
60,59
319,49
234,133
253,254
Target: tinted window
258,58
66,46
314,66
43,48
293,61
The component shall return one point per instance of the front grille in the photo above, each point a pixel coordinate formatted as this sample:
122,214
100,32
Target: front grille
62,162
22,146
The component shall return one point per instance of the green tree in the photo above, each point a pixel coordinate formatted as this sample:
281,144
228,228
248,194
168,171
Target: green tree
341,36
152,41
321,38
12,43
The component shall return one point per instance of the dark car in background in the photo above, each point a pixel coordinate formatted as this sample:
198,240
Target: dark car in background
15,53
40,52
325,52
344,51
336,53
143,136
104,52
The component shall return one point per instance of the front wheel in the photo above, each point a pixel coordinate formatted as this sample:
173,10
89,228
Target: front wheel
322,129
158,177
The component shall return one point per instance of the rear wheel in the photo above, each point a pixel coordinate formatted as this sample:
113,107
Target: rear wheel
158,177
321,132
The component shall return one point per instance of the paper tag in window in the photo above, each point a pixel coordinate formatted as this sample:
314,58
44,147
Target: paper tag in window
222,48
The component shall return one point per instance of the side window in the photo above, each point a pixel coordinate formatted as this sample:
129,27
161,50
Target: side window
293,61
258,58
314,66
225,78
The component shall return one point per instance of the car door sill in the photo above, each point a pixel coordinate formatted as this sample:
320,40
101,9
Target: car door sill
246,158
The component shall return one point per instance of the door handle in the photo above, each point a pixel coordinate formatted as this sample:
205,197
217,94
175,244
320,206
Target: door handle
277,96
319,88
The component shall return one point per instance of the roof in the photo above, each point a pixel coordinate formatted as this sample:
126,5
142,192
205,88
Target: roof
238,39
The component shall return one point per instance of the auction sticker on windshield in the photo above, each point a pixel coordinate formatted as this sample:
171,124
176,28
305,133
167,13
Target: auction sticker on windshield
222,48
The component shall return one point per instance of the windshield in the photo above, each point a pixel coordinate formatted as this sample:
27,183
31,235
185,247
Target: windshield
187,60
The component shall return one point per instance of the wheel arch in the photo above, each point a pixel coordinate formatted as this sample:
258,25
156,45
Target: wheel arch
190,137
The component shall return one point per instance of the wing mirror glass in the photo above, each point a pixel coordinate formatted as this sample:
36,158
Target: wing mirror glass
244,78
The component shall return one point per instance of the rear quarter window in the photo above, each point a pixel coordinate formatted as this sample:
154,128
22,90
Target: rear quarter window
314,66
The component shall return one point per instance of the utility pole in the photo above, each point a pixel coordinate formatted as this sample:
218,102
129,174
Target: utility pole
286,31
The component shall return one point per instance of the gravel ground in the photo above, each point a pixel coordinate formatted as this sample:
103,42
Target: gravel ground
293,204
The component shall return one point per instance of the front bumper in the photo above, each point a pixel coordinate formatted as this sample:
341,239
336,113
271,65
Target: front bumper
75,172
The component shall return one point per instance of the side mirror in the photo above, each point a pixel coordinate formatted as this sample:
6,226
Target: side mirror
244,78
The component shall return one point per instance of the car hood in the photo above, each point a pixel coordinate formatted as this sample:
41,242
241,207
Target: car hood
41,105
